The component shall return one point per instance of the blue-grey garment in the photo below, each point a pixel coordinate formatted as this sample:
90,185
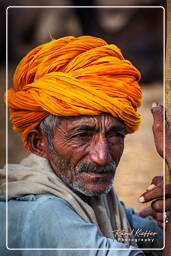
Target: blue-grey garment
46,221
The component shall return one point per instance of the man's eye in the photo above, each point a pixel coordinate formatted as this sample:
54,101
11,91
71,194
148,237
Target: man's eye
83,134
116,134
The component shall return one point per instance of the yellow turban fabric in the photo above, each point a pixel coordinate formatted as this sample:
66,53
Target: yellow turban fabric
70,77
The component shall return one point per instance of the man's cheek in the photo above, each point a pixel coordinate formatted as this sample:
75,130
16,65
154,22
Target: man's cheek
75,155
117,154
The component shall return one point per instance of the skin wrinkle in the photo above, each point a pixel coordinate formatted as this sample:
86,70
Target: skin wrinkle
86,151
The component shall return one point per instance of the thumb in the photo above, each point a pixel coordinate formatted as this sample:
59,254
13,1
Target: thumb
146,212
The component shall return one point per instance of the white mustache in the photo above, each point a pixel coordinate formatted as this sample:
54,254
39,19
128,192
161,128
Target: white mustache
93,167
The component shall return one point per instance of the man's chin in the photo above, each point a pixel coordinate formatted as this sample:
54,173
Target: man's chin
91,190
92,187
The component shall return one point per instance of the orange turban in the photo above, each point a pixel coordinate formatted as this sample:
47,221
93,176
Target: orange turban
74,76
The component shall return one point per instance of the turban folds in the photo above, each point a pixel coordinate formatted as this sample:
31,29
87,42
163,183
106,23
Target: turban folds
71,77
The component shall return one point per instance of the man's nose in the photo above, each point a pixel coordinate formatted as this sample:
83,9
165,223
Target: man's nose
99,152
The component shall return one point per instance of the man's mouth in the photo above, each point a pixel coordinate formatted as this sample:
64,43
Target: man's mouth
91,172
99,174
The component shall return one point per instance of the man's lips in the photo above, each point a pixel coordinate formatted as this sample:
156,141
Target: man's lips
100,174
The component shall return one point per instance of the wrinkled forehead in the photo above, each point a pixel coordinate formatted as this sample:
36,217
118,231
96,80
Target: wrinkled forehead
103,121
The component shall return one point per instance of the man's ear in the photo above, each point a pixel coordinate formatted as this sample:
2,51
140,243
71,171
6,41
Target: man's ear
37,143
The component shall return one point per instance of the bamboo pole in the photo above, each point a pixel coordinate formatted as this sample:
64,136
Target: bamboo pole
168,75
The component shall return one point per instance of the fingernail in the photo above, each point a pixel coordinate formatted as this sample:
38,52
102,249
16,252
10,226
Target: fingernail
154,105
141,199
151,187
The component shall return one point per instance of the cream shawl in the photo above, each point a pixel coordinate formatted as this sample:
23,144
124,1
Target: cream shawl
35,176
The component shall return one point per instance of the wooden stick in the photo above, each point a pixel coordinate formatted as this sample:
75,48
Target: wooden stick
168,75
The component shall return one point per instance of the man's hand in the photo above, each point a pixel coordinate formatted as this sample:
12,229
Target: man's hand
158,130
155,194
155,191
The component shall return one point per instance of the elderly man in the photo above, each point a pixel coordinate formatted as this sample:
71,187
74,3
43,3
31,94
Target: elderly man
74,100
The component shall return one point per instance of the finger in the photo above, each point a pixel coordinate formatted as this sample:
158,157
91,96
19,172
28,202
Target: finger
159,216
157,205
148,211
157,112
155,193
157,180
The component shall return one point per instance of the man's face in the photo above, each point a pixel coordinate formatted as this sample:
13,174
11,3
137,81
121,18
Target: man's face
87,150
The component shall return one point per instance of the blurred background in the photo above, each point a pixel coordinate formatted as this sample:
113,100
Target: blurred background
137,31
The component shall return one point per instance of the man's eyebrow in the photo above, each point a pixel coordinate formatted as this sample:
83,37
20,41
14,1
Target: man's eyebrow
84,128
116,128
94,128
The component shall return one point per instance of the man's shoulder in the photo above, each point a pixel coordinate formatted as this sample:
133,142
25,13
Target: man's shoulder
36,203
31,211
37,219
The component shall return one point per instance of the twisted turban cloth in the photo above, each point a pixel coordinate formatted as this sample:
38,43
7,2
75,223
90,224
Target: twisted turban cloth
70,77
